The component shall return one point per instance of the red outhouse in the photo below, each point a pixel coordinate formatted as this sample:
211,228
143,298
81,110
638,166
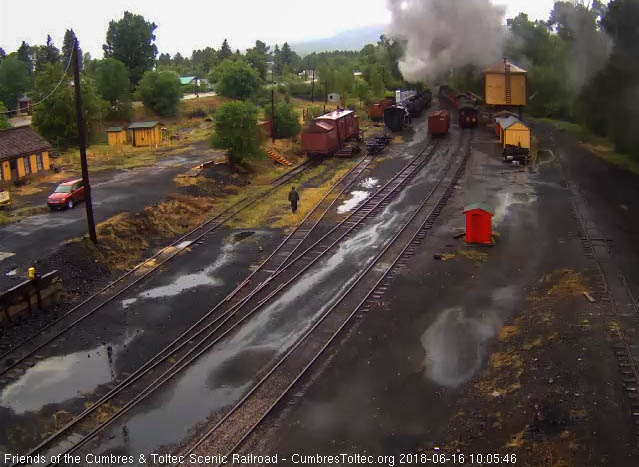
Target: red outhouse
478,223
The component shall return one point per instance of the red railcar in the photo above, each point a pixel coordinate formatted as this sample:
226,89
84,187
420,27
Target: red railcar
345,125
320,138
438,122
376,109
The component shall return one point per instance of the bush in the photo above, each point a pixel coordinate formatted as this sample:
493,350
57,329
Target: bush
160,91
236,130
287,120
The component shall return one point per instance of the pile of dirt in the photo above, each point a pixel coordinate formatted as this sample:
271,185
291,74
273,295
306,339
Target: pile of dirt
214,180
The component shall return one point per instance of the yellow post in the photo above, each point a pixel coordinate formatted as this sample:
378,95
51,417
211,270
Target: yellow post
31,273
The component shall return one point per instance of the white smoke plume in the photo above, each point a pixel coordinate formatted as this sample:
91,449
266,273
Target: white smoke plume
442,34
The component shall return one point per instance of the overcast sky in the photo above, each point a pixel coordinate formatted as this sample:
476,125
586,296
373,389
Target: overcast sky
184,26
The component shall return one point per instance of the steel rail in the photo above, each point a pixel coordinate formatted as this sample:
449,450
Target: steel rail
222,217
347,180
426,224
175,369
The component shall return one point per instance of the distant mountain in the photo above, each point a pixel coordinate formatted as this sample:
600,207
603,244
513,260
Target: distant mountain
353,39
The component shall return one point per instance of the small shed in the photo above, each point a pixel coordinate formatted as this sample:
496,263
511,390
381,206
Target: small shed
116,136
515,133
23,152
146,133
479,223
320,138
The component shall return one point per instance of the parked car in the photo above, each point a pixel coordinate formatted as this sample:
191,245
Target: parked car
66,195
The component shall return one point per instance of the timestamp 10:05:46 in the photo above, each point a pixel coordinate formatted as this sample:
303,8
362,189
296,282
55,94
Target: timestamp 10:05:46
458,458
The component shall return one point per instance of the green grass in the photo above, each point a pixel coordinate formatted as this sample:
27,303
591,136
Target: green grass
5,218
598,145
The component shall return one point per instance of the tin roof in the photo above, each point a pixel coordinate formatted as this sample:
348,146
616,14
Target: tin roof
143,125
21,140
499,68
114,129
319,127
335,115
483,206
510,121
186,79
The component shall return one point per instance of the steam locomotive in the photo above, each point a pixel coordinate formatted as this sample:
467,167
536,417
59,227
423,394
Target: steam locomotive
408,104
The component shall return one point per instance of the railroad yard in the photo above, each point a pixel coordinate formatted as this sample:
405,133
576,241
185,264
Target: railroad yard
264,340
412,252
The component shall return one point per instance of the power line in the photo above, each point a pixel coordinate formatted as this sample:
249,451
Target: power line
54,89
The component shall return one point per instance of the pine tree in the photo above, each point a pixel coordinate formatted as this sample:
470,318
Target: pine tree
67,47
225,51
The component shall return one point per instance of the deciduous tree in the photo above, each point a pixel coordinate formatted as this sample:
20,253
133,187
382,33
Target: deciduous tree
235,79
236,130
112,82
160,91
130,40
14,80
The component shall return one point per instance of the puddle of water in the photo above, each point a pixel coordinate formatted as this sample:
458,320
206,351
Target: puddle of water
183,245
369,183
238,237
506,199
455,342
351,203
61,378
221,376
186,282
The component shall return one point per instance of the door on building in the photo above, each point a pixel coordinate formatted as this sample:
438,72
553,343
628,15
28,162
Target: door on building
13,166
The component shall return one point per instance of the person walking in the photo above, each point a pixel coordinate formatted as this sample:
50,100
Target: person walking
293,197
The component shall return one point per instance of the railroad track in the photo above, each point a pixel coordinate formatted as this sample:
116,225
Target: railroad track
27,348
597,250
229,433
231,312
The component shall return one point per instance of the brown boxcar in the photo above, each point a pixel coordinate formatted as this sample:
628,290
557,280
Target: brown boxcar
438,122
376,109
345,121
320,138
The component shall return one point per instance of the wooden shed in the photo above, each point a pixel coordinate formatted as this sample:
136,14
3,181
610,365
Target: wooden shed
505,84
116,135
23,152
515,133
146,133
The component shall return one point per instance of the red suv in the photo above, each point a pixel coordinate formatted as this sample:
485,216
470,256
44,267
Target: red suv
66,195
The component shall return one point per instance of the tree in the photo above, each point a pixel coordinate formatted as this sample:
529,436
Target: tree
55,116
48,53
112,83
257,57
235,79
362,90
225,51
14,80
160,91
287,120
67,47
203,61
164,60
4,121
25,55
236,130
130,40
277,60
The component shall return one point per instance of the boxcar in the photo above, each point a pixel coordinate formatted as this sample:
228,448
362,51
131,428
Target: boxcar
320,139
376,109
345,121
438,122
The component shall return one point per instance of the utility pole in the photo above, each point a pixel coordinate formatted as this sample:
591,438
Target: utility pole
79,112
272,106
313,87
